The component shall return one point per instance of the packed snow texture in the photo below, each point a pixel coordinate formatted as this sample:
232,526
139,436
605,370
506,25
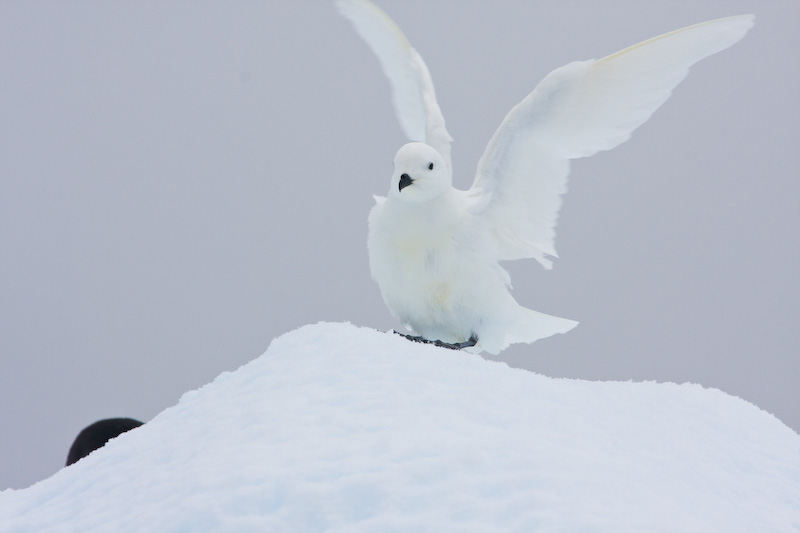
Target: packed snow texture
346,429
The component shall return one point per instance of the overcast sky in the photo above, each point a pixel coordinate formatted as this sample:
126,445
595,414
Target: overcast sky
181,182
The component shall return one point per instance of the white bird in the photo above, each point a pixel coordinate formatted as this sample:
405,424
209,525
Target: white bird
435,250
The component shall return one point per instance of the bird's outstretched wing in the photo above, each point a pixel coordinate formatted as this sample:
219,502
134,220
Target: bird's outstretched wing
412,89
576,111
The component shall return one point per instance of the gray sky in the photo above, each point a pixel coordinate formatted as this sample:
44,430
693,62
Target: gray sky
181,182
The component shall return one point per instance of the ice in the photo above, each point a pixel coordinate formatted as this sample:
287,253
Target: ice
339,428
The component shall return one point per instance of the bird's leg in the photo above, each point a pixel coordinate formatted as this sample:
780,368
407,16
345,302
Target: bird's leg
473,340
415,338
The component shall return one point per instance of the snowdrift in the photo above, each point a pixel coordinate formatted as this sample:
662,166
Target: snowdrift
346,429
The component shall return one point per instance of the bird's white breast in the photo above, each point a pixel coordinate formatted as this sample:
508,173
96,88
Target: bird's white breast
424,261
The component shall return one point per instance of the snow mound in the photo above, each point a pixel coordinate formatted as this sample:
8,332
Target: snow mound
346,429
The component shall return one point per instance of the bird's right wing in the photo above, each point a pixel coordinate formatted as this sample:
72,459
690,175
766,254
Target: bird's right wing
412,89
576,111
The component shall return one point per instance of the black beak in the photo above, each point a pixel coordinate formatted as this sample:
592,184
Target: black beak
405,181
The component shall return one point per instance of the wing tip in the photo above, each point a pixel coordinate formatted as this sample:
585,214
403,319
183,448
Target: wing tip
737,27
353,9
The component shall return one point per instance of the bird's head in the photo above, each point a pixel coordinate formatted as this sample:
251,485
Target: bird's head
420,173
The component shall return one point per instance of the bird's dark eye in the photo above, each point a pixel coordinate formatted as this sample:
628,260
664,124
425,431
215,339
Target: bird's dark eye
430,166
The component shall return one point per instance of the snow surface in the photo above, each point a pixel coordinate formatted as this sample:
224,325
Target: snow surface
349,429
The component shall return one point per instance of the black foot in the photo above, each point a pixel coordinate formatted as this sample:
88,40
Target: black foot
473,340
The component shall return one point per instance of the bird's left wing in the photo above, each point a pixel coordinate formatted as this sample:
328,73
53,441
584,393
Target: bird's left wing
576,111
412,89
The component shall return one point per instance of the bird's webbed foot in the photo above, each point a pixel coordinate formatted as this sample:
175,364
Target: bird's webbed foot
473,340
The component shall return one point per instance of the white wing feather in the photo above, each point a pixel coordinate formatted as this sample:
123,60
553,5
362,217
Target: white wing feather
576,111
412,89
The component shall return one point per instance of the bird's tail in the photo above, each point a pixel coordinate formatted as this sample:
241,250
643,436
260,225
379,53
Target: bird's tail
526,326
535,325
